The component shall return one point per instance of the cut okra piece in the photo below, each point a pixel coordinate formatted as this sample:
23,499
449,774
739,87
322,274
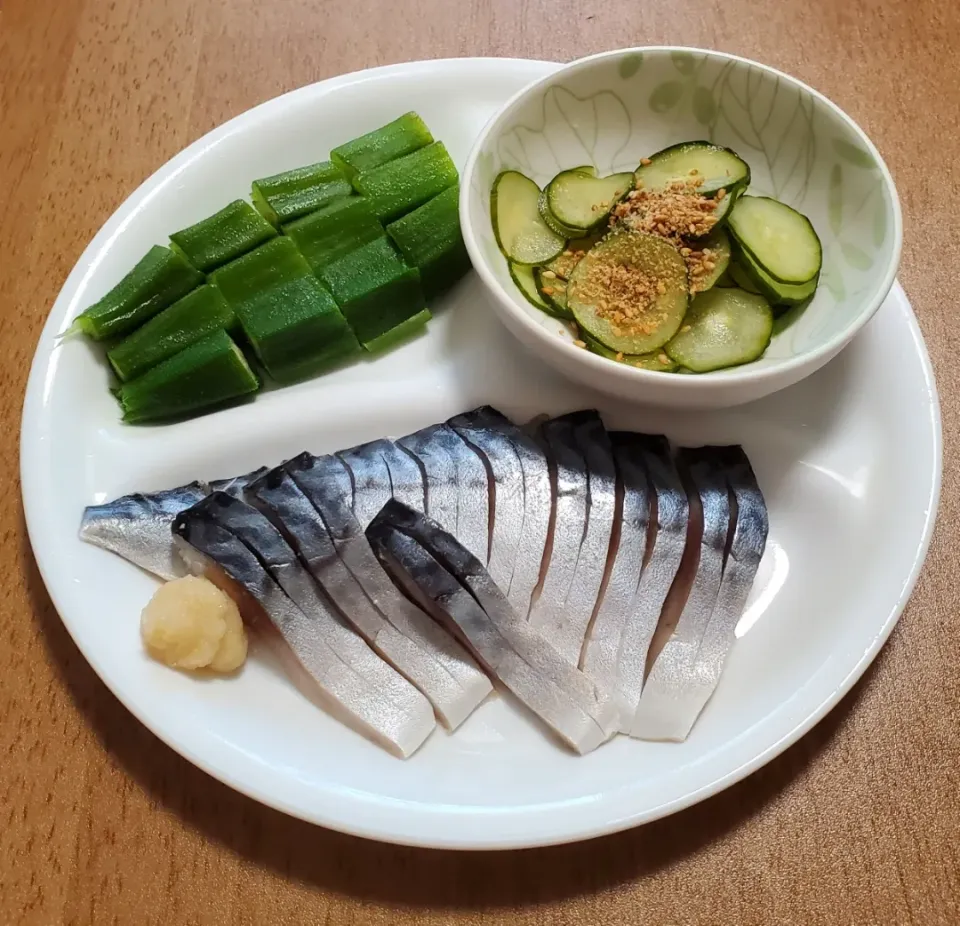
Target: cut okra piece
390,141
207,373
188,320
399,186
295,193
292,322
429,239
333,231
224,236
158,280
375,289
402,332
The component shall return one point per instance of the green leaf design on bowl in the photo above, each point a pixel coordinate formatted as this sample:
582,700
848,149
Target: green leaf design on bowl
853,155
856,257
630,65
835,199
666,96
704,106
684,62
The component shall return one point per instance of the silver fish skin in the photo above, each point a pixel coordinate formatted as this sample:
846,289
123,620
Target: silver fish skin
663,712
571,493
236,485
483,430
749,526
370,478
529,645
592,563
335,684
456,486
137,527
666,541
442,669
628,544
406,479
254,529
494,643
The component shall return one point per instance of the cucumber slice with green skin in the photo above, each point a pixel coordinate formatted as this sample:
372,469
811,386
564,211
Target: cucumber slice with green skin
780,240
334,231
293,323
236,229
742,279
159,279
726,280
205,374
553,223
776,292
187,321
375,289
295,193
399,186
523,276
721,168
403,136
553,290
718,243
572,254
521,233
656,360
650,258
579,200
429,239
724,328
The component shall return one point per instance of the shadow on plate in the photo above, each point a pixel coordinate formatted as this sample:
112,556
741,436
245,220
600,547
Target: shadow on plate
425,878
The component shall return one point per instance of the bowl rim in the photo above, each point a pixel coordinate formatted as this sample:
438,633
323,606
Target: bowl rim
742,375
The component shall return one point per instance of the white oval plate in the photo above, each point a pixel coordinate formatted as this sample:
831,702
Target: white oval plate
849,462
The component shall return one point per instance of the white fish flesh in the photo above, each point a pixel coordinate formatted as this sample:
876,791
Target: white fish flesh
418,553
628,546
355,697
663,712
483,430
439,666
666,542
457,492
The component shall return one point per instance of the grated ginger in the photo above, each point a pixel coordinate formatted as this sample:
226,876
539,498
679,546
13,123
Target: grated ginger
191,624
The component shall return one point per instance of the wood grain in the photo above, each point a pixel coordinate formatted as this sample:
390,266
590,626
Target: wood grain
101,824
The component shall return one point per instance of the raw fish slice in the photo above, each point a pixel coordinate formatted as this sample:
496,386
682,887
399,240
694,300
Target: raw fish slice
749,525
336,684
370,478
628,545
445,673
494,644
665,546
568,474
663,712
595,551
406,480
259,535
137,527
482,430
236,485
446,459
537,510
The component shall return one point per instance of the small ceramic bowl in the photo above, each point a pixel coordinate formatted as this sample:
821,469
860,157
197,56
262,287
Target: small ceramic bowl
610,110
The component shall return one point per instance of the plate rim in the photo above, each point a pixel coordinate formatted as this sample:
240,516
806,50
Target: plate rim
31,448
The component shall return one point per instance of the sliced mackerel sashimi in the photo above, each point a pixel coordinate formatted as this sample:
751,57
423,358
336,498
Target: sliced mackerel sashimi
318,651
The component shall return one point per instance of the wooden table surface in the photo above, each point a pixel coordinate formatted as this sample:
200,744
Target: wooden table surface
101,823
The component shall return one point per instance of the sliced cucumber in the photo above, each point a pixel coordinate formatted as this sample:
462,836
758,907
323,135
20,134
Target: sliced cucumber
724,328
579,200
776,292
522,275
726,280
718,243
656,360
779,239
553,223
720,168
521,233
742,279
553,291
651,322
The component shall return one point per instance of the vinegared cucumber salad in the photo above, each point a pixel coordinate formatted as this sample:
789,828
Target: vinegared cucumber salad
673,267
